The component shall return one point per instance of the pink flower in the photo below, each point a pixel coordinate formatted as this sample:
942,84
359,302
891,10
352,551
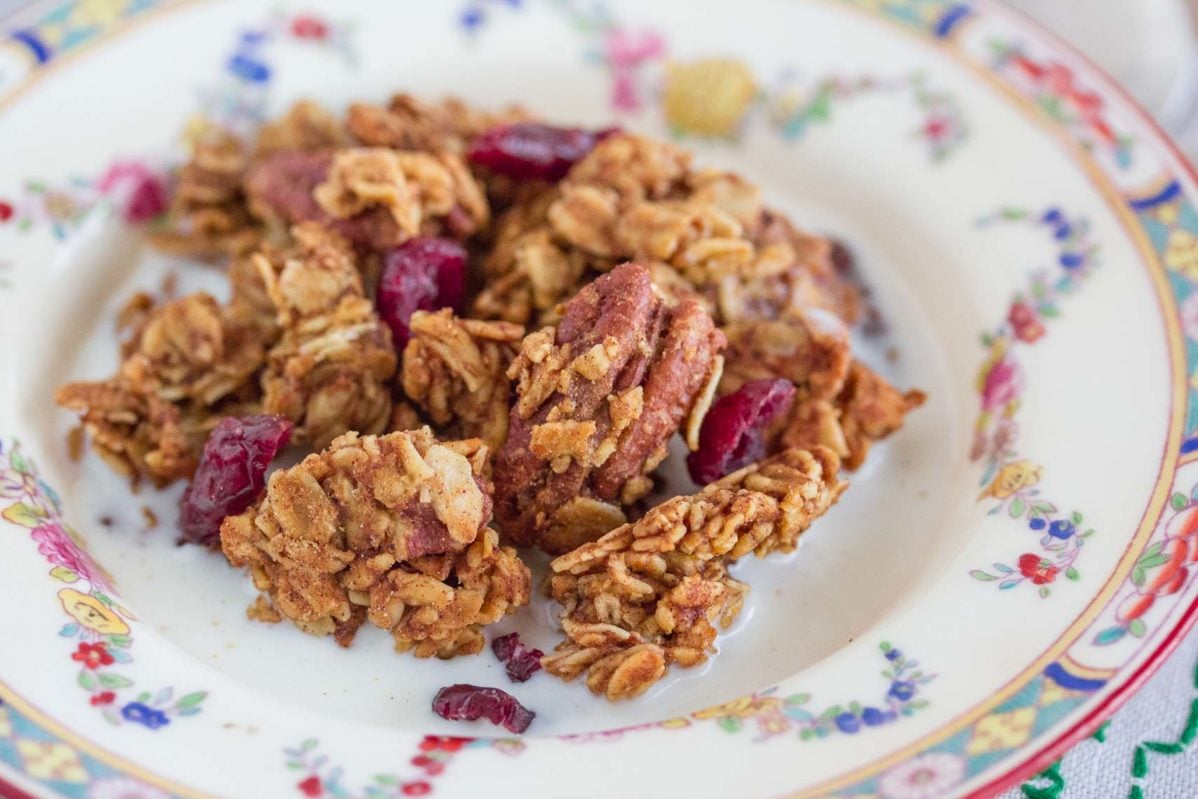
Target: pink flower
141,192
625,50
927,776
1002,384
56,546
1189,316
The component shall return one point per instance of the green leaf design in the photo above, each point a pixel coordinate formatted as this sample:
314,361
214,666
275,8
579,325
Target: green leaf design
110,680
24,514
1137,628
1138,577
1178,501
1071,574
1109,636
122,641
1075,517
1016,508
730,724
832,712
18,462
1044,592
798,699
978,574
86,681
192,699
1153,562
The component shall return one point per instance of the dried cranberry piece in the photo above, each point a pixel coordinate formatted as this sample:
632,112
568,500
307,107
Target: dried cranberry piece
231,473
732,431
533,151
519,661
464,702
423,274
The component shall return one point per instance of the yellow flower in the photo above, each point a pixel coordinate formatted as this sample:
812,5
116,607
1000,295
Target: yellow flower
746,707
1011,478
92,613
708,97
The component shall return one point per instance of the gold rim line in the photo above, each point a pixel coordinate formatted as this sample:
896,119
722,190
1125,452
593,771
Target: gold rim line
1117,201
1081,159
102,41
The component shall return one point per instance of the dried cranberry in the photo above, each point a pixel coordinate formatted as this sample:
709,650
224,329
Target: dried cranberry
420,275
231,473
532,151
464,702
147,200
519,661
732,432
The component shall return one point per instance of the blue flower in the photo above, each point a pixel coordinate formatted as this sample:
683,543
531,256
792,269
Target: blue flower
1052,216
1061,529
1063,231
248,69
847,722
1037,523
472,18
872,717
902,690
1072,260
893,654
145,715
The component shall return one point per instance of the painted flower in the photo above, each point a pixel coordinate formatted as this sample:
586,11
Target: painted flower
773,724
1001,383
1012,478
745,707
145,715
927,776
55,545
939,128
902,690
1062,529
443,743
6,211
418,788
624,51
139,190
311,786
309,27
1038,569
92,613
102,698
1025,323
708,97
123,788
92,656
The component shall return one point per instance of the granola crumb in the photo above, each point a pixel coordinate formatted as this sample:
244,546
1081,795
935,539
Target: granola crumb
149,516
76,441
262,610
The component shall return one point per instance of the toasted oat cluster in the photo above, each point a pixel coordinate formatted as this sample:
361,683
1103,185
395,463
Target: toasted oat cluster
597,399
652,592
452,311
390,529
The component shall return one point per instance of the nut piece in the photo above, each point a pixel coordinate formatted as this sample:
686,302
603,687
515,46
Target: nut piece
597,398
305,126
375,197
653,592
867,409
390,529
455,370
330,371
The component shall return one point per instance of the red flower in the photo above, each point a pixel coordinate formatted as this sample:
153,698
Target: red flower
103,698
938,128
1030,67
421,788
6,211
445,744
306,27
92,656
1032,566
1026,324
311,786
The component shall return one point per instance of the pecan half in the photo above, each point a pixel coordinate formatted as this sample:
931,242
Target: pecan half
597,398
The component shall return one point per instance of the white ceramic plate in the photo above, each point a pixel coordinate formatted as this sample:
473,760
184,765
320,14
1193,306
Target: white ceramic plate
1001,574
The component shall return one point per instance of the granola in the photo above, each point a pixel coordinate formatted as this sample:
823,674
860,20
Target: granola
331,369
455,370
390,530
597,399
652,593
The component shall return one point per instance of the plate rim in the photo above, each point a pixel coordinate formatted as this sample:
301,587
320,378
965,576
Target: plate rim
1037,756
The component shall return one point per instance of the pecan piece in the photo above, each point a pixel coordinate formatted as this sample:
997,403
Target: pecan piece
597,398
390,529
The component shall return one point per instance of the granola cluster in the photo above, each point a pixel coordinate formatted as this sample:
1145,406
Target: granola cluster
597,399
389,529
652,592
603,294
